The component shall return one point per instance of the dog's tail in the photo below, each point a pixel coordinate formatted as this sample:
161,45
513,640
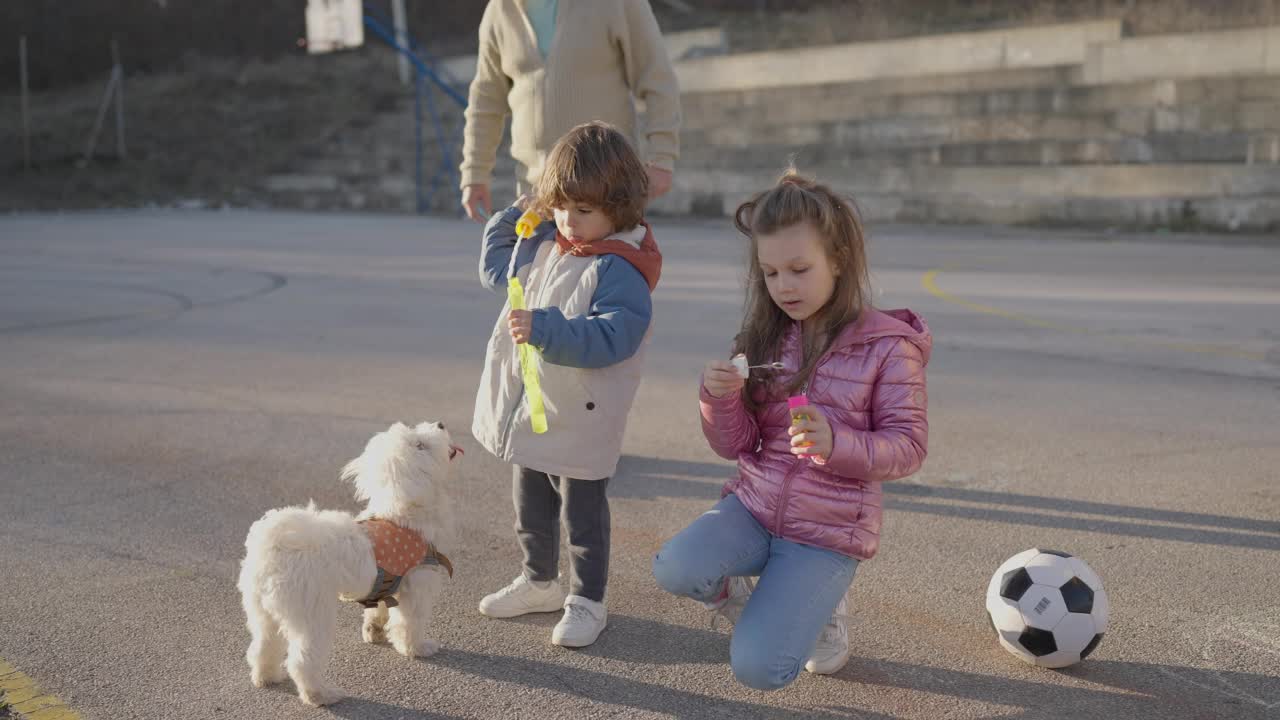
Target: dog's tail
299,554
290,528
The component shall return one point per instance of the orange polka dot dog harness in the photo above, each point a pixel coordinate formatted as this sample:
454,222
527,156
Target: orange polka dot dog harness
396,551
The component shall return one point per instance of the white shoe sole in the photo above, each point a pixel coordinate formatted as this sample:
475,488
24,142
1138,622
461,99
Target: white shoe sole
575,642
553,604
830,666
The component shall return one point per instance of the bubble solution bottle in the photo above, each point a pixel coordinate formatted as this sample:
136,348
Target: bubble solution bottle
798,401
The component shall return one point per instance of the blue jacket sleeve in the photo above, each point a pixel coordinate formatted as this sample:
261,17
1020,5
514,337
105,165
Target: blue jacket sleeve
500,241
610,332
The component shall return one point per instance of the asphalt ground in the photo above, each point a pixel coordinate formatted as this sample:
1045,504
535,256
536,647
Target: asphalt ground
166,377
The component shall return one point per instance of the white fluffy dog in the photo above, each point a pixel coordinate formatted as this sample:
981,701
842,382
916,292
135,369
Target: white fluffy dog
300,561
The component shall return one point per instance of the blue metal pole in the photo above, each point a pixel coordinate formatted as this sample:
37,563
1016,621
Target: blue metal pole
422,71
389,38
417,143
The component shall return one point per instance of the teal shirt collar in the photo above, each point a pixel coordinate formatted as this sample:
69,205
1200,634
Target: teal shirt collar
542,16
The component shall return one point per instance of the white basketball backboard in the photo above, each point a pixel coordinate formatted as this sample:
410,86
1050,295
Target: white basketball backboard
334,25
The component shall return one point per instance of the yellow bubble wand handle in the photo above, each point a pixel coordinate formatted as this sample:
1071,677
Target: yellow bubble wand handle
528,361
526,224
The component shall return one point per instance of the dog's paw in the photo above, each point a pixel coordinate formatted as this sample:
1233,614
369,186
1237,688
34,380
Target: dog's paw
425,648
262,677
374,633
322,696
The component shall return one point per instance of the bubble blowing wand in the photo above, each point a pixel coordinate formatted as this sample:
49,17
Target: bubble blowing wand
525,226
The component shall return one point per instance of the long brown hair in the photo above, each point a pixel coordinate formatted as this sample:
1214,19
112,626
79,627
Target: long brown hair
595,164
796,199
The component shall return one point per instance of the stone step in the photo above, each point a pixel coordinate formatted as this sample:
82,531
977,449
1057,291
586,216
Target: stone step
929,131
1253,213
1015,47
1158,148
1216,195
385,142
701,109
355,167
1150,181
819,104
402,123
1258,214
395,192
372,198
376,165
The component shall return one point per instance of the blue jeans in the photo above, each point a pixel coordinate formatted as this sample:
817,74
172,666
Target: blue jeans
798,589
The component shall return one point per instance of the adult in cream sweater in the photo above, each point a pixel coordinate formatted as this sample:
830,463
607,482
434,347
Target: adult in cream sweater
554,64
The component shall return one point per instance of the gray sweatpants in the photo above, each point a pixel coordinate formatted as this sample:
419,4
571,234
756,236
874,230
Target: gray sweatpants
542,501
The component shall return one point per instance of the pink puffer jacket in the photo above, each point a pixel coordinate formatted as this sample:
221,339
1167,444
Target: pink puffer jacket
871,387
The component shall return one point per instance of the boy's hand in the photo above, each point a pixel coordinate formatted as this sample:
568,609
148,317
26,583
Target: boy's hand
815,430
520,323
721,378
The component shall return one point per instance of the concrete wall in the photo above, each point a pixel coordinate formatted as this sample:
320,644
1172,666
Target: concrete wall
932,55
1230,197
998,127
689,43
1096,47
1235,52
1015,48
692,43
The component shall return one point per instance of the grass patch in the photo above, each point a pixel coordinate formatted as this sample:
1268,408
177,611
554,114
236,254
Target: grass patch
208,130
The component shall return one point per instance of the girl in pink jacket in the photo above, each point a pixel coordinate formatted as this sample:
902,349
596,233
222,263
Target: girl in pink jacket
805,507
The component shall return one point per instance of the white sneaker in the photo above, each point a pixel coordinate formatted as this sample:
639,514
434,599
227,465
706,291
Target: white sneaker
521,597
582,622
832,650
731,601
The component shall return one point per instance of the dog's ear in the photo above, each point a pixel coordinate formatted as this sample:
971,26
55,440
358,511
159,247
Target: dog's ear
353,472
376,447
350,471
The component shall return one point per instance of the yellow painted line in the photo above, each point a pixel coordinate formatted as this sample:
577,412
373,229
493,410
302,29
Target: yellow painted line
930,283
23,699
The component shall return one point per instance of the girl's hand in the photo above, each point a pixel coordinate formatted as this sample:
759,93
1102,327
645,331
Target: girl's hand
520,323
721,378
815,430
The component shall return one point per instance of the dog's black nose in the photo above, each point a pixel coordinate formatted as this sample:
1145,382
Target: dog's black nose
440,425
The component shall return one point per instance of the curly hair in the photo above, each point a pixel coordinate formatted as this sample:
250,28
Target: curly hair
594,164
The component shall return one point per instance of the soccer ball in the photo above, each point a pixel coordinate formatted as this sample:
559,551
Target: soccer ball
1047,607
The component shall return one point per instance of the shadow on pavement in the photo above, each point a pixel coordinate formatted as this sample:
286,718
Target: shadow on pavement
354,708
614,690
649,478
634,639
1116,519
1131,690
638,640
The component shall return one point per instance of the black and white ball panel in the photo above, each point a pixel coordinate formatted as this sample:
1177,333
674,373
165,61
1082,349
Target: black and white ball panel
1042,607
1049,569
1047,607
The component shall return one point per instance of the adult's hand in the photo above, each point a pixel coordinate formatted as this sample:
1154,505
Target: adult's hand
659,181
476,201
